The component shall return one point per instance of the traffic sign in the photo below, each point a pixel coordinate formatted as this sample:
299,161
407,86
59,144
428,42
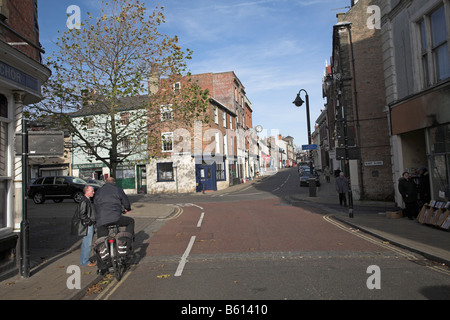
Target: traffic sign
309,147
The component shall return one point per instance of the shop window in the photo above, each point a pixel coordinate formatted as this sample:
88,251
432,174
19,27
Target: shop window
125,173
3,148
3,191
3,107
4,121
164,171
439,141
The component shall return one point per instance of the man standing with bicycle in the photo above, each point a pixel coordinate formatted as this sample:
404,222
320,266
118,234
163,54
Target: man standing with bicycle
110,201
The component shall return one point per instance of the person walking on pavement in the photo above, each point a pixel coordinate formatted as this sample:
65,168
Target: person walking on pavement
326,173
407,189
341,185
109,201
83,225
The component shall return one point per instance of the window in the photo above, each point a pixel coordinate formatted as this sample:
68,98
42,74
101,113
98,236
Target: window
166,113
220,171
439,142
91,151
167,141
216,116
164,171
3,148
48,180
176,87
435,59
4,121
440,45
423,38
124,118
90,123
224,119
60,180
125,173
5,181
231,123
3,196
125,145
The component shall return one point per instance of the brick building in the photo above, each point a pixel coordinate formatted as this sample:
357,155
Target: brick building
206,155
355,92
21,76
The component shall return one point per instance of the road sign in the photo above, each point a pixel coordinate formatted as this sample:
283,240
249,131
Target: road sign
353,153
42,144
309,147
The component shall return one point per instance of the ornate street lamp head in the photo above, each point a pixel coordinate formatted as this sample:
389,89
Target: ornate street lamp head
298,101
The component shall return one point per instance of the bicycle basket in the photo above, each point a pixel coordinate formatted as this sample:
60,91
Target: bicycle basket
124,243
101,249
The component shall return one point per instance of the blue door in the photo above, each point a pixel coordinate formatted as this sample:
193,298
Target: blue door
205,177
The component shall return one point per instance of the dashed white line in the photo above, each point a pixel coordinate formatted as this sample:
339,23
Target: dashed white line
199,223
184,257
281,186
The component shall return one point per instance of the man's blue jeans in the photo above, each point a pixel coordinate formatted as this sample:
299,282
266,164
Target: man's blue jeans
86,247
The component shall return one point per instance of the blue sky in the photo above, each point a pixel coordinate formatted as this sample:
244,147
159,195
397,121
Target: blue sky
275,47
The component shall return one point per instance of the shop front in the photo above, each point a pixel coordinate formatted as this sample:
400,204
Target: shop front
20,84
420,127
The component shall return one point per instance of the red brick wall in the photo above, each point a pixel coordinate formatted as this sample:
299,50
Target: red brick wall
21,18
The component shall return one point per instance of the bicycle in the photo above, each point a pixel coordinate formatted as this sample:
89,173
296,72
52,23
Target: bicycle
114,250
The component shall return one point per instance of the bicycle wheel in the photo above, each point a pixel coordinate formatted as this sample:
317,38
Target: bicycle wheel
117,266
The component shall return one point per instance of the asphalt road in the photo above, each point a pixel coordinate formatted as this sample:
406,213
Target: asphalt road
253,245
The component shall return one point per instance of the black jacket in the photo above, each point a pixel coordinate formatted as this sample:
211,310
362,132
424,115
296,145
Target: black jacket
407,189
84,216
109,201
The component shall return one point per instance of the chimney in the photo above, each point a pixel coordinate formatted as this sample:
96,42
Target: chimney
153,81
340,17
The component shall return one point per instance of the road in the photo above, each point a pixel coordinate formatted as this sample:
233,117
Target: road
253,245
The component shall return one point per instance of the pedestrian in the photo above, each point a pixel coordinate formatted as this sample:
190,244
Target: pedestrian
341,185
83,223
424,186
407,189
326,173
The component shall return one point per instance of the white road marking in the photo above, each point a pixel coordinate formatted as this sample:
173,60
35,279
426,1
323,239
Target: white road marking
199,224
184,257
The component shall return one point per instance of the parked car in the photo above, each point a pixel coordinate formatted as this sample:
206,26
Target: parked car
304,176
58,188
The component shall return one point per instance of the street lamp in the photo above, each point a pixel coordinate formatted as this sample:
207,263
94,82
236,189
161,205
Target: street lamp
299,102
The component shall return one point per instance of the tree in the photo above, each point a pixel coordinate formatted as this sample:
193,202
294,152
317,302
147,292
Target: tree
104,75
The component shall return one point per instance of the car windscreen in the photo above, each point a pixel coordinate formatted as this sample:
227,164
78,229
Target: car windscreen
78,180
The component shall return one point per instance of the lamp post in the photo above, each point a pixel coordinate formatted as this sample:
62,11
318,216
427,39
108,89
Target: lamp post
299,102
342,118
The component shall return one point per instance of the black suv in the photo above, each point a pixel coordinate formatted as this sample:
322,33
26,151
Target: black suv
58,188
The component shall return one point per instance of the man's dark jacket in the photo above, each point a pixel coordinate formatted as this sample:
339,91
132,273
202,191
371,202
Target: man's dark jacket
84,216
109,201
407,189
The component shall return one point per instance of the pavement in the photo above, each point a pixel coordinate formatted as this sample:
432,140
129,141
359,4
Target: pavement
52,279
370,217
